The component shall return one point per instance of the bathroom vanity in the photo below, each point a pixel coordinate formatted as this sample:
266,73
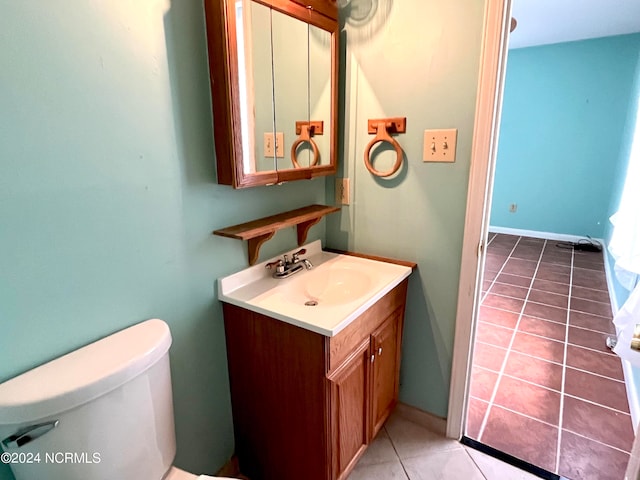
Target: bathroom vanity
311,385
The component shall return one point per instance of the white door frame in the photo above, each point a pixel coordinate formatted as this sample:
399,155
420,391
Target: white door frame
495,42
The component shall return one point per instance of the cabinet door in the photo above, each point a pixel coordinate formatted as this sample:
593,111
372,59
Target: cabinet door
328,8
385,343
350,410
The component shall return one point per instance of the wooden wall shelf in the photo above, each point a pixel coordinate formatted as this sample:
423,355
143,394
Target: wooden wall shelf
259,231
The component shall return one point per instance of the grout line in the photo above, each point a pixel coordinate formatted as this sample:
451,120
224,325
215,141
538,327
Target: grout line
489,322
393,445
513,337
526,416
520,353
509,285
593,349
495,325
479,399
553,321
620,412
553,363
478,469
498,308
546,319
540,336
507,296
546,305
592,301
598,441
530,301
595,374
490,345
582,311
533,317
597,404
591,330
588,288
497,273
564,370
523,276
519,379
594,315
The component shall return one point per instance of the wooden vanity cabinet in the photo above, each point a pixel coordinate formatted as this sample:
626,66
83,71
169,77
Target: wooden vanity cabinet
306,405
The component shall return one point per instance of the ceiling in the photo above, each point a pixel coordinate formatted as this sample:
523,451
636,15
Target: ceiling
542,22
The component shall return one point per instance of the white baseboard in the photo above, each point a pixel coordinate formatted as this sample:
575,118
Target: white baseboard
562,237
627,369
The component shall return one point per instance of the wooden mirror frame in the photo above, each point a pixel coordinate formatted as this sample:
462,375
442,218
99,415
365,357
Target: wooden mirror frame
225,92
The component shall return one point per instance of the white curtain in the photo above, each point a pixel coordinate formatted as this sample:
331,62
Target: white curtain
625,249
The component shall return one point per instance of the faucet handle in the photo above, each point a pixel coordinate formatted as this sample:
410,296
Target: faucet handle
278,263
295,255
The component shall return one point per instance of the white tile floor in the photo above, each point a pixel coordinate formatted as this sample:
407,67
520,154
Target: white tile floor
404,450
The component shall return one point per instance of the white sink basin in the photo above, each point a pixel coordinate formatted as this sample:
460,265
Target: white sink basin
330,284
324,299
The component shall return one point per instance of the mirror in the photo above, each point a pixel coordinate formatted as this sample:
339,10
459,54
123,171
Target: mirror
273,69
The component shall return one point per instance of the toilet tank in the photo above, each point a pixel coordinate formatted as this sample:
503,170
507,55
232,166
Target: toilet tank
102,412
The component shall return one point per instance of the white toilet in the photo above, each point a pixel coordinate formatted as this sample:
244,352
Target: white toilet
103,412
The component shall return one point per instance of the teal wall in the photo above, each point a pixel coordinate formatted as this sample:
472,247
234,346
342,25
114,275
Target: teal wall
405,63
108,197
563,118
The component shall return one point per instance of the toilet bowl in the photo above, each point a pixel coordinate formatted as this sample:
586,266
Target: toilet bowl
102,412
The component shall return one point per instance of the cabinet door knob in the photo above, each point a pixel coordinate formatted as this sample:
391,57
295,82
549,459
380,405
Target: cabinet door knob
373,358
379,350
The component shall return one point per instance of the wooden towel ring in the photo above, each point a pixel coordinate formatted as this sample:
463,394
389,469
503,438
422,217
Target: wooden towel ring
306,130
381,128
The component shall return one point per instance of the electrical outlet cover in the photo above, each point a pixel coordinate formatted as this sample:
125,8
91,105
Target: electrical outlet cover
342,191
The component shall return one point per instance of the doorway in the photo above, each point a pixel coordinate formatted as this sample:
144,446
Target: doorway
542,315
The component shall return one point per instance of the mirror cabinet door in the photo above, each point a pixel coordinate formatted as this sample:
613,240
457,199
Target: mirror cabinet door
291,81
320,88
255,81
273,68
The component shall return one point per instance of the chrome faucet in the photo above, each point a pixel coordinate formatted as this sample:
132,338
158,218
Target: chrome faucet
285,268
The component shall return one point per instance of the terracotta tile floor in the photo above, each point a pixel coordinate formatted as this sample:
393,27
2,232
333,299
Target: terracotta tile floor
544,387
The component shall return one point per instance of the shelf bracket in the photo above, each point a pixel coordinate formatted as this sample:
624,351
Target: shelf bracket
303,229
254,245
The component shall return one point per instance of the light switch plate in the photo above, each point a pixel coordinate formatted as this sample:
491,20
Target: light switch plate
271,143
279,145
440,145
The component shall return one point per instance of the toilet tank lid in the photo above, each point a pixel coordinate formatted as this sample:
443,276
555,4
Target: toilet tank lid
84,374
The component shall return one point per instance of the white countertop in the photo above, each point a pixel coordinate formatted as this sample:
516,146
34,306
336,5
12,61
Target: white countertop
343,286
